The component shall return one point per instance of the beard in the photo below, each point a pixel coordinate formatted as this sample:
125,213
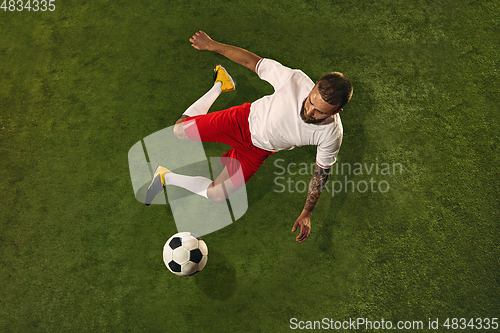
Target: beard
305,118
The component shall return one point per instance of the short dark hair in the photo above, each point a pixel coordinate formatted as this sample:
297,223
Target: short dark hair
335,88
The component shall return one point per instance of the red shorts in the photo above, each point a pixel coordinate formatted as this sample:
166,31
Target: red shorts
230,127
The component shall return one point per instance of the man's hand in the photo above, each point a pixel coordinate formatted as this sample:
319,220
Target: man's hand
200,40
304,221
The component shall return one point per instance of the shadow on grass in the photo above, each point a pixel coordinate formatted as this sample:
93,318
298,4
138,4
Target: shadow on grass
218,279
351,151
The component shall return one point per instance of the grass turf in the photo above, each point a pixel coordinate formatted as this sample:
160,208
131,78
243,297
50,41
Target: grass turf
80,85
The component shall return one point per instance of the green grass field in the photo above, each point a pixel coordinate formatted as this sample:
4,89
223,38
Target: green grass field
81,84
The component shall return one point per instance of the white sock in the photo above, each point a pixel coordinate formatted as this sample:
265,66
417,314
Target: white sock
196,184
202,105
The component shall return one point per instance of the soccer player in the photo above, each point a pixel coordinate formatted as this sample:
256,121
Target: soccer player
299,113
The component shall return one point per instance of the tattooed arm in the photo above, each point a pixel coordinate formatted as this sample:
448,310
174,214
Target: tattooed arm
318,182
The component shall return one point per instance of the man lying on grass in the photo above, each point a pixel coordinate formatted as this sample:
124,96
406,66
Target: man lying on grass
299,113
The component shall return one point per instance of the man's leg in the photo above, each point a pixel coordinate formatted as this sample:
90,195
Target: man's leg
217,190
240,164
223,82
201,106
222,187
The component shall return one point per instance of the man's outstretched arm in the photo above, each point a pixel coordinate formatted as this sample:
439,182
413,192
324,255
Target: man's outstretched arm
201,41
318,182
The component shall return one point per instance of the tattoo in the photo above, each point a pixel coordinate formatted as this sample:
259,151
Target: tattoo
318,182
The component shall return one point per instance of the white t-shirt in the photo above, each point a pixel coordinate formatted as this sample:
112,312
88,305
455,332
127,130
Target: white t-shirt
275,122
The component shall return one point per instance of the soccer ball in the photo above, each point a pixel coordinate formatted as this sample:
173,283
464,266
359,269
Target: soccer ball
185,254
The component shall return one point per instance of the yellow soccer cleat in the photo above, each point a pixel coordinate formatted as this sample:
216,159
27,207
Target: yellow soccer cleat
221,75
157,185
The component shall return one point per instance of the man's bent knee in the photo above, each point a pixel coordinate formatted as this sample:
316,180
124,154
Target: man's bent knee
216,193
179,129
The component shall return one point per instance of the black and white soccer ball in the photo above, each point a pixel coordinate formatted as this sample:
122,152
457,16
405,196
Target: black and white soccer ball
185,254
